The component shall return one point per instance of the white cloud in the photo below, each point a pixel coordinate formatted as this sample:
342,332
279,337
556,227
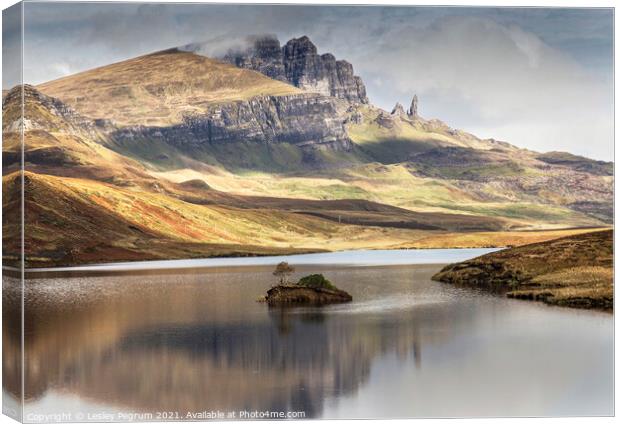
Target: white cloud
506,83
62,68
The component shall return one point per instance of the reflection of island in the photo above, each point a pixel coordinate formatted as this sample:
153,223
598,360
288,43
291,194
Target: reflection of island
188,347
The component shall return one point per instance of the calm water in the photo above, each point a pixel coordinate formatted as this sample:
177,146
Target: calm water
189,341
343,258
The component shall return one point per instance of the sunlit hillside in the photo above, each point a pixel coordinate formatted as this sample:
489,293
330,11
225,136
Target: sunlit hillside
72,220
115,170
156,89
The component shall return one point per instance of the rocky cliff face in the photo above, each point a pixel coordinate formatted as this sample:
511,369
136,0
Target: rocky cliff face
299,63
308,120
398,110
263,55
413,109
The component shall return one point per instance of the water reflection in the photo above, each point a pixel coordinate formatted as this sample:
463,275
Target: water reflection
200,341
11,346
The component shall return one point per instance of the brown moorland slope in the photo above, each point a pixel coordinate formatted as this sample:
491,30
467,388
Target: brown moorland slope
156,89
574,271
59,141
73,221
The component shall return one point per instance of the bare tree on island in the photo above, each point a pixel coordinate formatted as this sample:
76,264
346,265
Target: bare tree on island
283,271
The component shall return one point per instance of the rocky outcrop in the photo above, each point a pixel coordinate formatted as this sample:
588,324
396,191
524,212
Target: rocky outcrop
398,110
296,294
306,120
355,118
306,69
299,63
263,55
412,113
41,112
385,120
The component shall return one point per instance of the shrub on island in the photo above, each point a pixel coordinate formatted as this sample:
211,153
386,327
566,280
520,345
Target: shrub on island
312,289
316,281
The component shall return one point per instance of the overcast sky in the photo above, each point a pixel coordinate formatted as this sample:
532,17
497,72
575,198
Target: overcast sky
537,77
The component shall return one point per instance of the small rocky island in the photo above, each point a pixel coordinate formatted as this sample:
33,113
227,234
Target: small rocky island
312,289
574,271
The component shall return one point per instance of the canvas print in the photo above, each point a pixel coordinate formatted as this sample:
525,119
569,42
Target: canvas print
234,212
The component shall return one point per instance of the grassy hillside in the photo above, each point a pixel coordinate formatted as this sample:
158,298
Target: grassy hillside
397,185
578,163
239,158
394,139
59,141
572,271
156,89
76,220
71,221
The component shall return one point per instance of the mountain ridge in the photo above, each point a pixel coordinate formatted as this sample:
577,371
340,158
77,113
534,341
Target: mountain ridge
222,130
183,139
147,90
298,63
413,161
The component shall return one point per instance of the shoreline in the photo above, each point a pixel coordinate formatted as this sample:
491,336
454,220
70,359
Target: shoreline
348,258
574,271
169,250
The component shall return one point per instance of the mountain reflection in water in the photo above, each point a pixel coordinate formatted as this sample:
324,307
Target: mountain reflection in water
196,341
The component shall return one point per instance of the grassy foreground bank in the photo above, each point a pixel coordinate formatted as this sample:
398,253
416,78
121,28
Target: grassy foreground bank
574,271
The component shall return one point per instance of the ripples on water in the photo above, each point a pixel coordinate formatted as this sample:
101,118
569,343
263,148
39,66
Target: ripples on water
406,347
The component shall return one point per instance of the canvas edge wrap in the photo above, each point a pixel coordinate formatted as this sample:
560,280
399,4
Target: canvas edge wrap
13,221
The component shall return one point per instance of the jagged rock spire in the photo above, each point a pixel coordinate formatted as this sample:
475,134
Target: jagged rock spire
306,69
299,63
398,110
413,110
